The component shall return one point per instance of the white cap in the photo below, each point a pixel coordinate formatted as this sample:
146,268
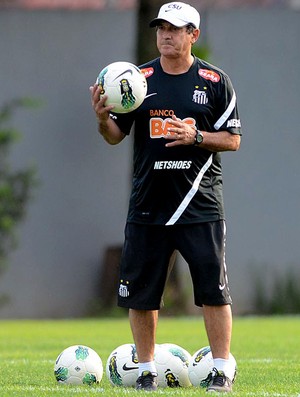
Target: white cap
178,14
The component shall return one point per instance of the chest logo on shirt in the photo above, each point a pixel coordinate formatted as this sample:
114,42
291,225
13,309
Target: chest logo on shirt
200,97
159,126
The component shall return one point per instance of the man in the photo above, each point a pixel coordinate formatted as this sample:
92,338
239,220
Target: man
188,117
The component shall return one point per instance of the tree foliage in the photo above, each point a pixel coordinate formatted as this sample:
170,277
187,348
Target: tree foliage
15,186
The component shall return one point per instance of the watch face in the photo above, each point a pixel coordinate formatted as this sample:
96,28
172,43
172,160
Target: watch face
199,137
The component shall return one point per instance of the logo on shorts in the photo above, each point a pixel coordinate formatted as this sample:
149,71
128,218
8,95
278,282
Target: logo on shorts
123,289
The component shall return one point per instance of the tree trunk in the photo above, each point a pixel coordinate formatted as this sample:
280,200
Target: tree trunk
146,37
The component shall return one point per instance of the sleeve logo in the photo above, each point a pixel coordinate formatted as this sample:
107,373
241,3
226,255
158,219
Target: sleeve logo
234,123
147,72
209,75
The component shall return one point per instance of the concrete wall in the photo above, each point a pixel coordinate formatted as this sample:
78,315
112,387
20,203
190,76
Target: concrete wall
80,206
262,185
81,203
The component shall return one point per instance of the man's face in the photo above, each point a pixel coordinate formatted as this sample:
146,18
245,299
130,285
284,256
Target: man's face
173,42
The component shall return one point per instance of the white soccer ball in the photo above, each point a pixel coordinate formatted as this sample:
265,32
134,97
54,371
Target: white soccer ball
178,351
124,84
122,366
78,365
201,366
171,363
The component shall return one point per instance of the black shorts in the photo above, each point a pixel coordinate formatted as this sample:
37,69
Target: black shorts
146,255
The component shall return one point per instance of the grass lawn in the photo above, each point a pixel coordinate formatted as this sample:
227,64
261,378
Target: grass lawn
267,351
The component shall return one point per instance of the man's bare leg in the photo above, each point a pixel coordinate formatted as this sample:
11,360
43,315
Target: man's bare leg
218,323
143,325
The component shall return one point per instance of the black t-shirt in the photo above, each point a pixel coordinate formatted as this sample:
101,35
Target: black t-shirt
181,184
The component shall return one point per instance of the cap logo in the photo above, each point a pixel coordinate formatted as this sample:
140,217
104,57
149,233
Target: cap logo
173,6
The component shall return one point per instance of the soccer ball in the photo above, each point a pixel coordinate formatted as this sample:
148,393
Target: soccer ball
178,351
122,366
124,84
171,363
201,366
78,365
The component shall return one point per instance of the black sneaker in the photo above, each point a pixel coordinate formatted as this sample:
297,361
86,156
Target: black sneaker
147,381
219,383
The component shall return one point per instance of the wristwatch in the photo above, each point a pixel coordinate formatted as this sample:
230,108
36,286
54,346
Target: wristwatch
198,138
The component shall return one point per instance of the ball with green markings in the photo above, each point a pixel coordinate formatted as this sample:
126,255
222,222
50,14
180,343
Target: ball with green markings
78,365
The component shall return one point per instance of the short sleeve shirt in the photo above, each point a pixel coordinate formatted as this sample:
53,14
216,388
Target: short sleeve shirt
182,184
